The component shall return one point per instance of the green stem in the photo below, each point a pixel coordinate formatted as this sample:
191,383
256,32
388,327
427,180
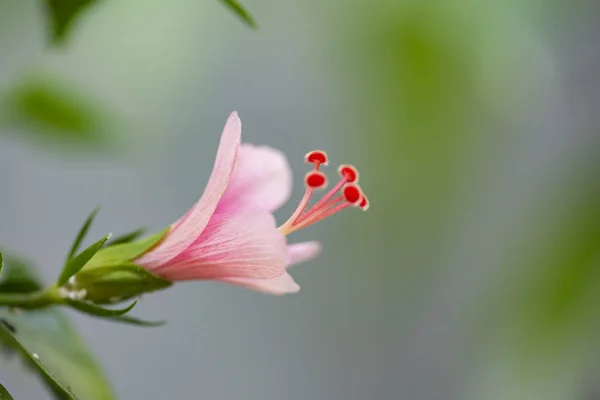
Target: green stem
39,299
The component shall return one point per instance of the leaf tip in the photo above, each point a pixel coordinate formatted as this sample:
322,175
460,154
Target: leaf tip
241,12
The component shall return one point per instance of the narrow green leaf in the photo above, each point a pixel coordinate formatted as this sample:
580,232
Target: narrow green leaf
126,238
117,282
125,252
81,234
92,309
61,15
4,395
6,335
78,262
135,321
240,11
1,263
49,334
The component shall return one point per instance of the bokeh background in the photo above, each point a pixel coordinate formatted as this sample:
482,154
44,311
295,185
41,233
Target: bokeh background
475,274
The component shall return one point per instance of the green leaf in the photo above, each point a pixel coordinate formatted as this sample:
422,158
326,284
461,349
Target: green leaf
241,12
92,309
6,335
1,263
4,395
117,282
125,252
82,233
75,264
126,238
50,112
63,361
61,14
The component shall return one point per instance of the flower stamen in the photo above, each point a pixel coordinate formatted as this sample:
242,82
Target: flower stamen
348,173
317,157
351,194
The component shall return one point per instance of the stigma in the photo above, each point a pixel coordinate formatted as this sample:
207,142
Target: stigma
345,193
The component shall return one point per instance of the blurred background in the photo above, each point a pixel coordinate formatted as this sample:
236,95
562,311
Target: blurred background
475,274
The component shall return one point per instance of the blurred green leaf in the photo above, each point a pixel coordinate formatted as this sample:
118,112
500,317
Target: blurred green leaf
75,264
61,15
81,234
125,252
413,61
17,276
126,238
43,109
6,335
241,12
4,395
542,321
61,358
562,299
118,282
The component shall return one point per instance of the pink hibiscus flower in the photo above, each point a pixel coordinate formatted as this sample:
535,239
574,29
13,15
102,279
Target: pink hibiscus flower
230,234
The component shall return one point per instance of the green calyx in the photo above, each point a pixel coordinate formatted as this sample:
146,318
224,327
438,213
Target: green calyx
103,273
114,283
110,276
127,252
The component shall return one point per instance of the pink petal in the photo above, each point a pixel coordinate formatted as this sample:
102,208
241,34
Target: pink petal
302,252
185,231
241,245
282,284
261,179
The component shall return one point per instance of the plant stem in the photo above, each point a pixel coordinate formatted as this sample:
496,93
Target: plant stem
39,299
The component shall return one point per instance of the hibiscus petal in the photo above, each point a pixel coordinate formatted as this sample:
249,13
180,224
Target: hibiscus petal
242,245
302,252
187,229
261,179
282,284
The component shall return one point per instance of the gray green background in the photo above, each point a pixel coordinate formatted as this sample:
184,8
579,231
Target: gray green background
475,275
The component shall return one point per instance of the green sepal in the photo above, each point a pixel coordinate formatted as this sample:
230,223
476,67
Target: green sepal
114,283
126,319
92,309
127,237
81,234
125,252
78,262
4,395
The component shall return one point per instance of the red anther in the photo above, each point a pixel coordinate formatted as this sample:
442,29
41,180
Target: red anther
352,194
349,172
316,157
315,180
364,203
